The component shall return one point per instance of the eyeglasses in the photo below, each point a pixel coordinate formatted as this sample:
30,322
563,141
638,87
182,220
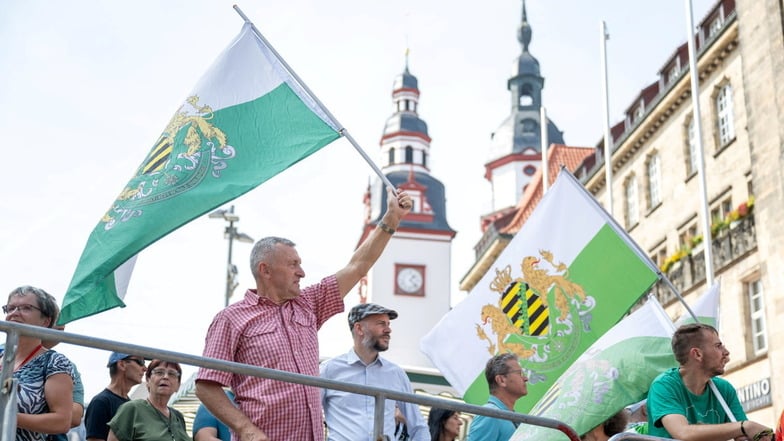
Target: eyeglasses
516,372
135,360
24,309
164,372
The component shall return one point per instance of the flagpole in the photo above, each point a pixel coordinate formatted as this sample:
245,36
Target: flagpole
545,145
607,133
695,102
342,130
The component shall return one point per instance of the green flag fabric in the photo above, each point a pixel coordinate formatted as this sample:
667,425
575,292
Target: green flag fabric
617,370
614,372
565,279
246,120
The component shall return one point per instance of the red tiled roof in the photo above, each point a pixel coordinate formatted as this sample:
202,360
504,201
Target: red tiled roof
557,155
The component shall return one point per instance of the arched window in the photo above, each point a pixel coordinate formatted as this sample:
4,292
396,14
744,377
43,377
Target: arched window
409,154
391,159
424,159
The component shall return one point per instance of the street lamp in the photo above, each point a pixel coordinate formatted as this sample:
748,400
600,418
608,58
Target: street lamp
230,233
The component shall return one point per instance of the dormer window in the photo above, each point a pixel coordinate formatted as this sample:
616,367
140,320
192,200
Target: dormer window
715,25
672,76
638,112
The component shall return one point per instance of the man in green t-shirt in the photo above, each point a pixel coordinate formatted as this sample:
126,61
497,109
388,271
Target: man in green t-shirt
681,404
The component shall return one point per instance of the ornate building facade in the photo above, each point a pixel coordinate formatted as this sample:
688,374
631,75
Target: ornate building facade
740,47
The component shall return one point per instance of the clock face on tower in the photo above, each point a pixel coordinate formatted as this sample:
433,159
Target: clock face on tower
410,280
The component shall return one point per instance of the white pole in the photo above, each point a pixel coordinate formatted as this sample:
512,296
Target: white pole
607,134
545,144
695,102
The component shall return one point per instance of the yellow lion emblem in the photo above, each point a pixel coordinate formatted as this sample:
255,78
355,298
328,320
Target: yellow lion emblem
522,306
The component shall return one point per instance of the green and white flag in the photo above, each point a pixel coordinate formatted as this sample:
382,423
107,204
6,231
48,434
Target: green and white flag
617,370
614,372
246,120
706,308
565,279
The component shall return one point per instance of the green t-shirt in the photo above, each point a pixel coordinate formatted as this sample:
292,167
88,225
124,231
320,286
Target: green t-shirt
137,420
668,395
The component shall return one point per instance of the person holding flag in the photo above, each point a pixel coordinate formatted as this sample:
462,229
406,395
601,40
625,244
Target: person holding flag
276,327
681,404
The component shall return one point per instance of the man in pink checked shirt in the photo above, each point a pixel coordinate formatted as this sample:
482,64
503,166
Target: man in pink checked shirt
275,326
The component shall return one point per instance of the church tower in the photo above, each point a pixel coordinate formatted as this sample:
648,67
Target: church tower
413,274
515,149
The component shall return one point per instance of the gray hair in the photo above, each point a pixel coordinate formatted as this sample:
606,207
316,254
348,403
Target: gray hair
46,302
263,250
497,366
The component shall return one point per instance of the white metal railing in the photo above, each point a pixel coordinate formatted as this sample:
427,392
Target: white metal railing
13,330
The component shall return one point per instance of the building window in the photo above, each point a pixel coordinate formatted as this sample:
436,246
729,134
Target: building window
391,158
715,26
725,120
638,113
424,159
672,76
653,168
659,256
759,336
632,207
718,216
686,237
529,170
530,127
526,100
409,154
691,153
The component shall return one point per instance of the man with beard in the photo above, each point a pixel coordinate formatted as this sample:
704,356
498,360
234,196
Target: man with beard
681,404
349,416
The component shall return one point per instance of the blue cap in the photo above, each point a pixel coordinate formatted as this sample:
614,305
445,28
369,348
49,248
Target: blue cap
115,357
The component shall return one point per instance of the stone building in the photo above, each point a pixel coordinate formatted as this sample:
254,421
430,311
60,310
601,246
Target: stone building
657,196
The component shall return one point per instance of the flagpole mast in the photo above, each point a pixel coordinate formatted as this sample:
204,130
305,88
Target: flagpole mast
342,130
607,134
545,145
695,102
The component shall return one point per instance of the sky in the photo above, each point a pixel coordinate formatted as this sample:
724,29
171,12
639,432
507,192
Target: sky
87,86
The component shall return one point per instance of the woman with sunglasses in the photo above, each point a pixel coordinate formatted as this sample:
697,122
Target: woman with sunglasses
44,395
152,419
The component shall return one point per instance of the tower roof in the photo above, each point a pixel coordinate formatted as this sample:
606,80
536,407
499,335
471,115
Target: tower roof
521,129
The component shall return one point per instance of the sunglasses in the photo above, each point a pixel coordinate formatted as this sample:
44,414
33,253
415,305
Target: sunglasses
135,360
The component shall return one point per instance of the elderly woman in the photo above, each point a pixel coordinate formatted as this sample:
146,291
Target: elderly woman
152,419
444,424
45,384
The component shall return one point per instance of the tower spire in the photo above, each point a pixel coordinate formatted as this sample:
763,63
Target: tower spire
524,31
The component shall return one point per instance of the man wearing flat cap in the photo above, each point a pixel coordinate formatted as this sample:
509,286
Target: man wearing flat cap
349,416
125,371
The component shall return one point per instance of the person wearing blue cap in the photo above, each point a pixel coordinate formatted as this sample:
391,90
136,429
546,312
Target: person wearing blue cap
348,415
125,372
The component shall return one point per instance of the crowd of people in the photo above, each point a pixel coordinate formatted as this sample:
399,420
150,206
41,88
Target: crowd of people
276,325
